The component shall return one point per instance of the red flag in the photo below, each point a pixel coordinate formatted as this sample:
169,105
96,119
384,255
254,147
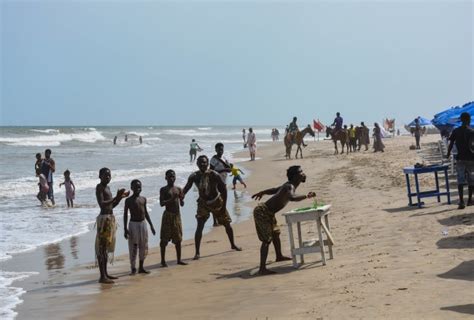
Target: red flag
318,125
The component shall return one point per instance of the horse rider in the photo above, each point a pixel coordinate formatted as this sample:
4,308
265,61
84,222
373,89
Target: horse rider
293,129
338,121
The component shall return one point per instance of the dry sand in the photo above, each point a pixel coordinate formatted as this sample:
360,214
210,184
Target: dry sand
390,261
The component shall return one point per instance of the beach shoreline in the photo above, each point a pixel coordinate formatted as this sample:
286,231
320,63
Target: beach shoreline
390,261
65,265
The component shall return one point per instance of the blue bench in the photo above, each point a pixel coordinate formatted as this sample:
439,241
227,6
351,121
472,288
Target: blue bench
425,194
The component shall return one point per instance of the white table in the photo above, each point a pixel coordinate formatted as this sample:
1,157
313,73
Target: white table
314,245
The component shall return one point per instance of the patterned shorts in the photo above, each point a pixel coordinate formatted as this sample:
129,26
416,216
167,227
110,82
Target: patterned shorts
171,227
204,209
265,223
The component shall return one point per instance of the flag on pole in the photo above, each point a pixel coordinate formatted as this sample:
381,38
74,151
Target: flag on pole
317,125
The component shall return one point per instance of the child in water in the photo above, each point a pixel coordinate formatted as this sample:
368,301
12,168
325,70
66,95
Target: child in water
70,188
235,172
43,187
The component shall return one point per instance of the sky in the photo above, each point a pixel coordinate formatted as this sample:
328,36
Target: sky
232,62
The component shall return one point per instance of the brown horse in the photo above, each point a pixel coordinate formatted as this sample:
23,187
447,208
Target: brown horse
298,140
340,135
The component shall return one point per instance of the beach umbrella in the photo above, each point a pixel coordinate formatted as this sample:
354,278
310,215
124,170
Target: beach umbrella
450,118
422,122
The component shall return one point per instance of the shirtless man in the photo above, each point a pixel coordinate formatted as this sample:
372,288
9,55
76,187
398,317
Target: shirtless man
264,214
106,226
137,232
171,197
212,198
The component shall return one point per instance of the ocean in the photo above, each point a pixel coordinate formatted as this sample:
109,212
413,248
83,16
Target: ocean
25,225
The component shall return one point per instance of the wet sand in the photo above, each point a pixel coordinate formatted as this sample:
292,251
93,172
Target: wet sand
390,261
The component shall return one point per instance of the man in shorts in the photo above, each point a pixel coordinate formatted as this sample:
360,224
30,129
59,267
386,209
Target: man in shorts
464,159
264,214
171,197
212,198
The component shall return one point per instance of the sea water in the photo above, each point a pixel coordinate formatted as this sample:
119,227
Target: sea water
25,225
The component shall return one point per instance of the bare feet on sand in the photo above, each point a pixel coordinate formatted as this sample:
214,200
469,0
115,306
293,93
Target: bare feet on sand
282,258
106,281
265,272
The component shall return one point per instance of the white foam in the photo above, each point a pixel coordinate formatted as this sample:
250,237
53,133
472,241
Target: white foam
45,130
10,296
205,128
134,133
90,136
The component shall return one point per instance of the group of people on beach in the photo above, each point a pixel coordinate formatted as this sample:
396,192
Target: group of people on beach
44,169
210,180
358,136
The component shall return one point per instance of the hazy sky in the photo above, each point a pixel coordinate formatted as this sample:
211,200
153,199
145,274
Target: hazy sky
232,62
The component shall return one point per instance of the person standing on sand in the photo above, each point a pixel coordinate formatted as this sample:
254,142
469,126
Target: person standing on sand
252,144
105,223
378,144
219,164
264,214
48,166
137,231
464,159
171,197
364,136
417,132
243,137
212,198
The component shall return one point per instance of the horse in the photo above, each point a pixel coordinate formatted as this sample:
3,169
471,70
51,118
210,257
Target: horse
298,140
340,135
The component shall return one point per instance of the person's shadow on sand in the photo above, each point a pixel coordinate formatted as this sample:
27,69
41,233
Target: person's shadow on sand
281,269
466,308
465,241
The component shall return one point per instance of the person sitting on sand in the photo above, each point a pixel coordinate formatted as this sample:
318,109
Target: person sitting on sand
235,173
137,232
171,197
212,198
264,214
105,223
464,159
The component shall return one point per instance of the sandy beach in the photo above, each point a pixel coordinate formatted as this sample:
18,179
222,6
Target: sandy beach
390,261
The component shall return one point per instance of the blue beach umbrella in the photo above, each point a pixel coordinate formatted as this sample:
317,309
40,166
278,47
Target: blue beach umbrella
450,118
422,122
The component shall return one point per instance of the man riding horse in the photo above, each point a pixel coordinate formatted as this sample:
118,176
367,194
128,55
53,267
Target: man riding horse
293,129
338,122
